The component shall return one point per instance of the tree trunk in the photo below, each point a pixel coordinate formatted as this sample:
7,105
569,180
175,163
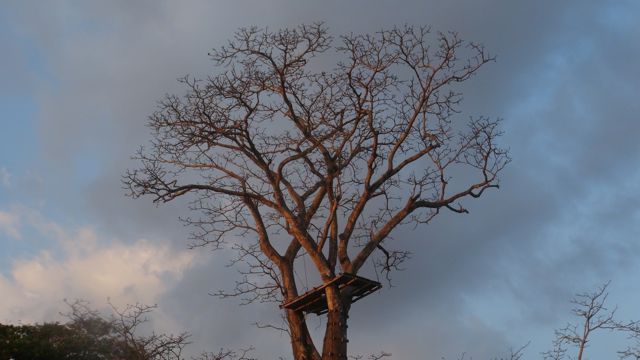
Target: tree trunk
301,341
335,338
583,343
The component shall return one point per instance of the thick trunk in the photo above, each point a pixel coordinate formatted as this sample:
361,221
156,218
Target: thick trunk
301,342
335,337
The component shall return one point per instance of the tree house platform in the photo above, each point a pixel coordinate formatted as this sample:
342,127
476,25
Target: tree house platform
315,301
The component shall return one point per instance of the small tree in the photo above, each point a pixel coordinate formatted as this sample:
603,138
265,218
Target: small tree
320,163
593,315
120,332
590,308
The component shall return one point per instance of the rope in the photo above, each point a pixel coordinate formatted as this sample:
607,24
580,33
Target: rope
306,279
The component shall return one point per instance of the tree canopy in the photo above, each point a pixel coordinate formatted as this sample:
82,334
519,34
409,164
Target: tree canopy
285,158
89,335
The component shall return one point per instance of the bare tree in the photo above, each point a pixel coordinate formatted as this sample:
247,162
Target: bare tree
379,356
226,355
632,328
590,308
513,354
120,333
630,353
151,347
290,161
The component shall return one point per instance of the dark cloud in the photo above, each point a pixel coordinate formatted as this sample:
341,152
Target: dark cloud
564,218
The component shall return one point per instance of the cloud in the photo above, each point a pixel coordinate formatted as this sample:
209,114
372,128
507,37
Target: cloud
565,216
10,224
5,177
80,263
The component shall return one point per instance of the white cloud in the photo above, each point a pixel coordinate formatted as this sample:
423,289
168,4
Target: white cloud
82,264
10,224
5,177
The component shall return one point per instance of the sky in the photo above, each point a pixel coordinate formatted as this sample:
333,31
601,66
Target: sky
79,78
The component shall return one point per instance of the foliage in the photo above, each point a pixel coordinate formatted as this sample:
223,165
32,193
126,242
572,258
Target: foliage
55,341
89,335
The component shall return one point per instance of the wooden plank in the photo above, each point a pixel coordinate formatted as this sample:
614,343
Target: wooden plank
315,301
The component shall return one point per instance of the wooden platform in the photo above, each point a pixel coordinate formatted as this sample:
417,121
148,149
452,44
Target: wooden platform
315,301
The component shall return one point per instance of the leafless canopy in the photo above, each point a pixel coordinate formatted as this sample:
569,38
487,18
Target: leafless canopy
120,332
594,315
330,158
316,161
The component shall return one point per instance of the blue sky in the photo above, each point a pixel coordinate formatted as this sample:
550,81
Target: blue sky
80,78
